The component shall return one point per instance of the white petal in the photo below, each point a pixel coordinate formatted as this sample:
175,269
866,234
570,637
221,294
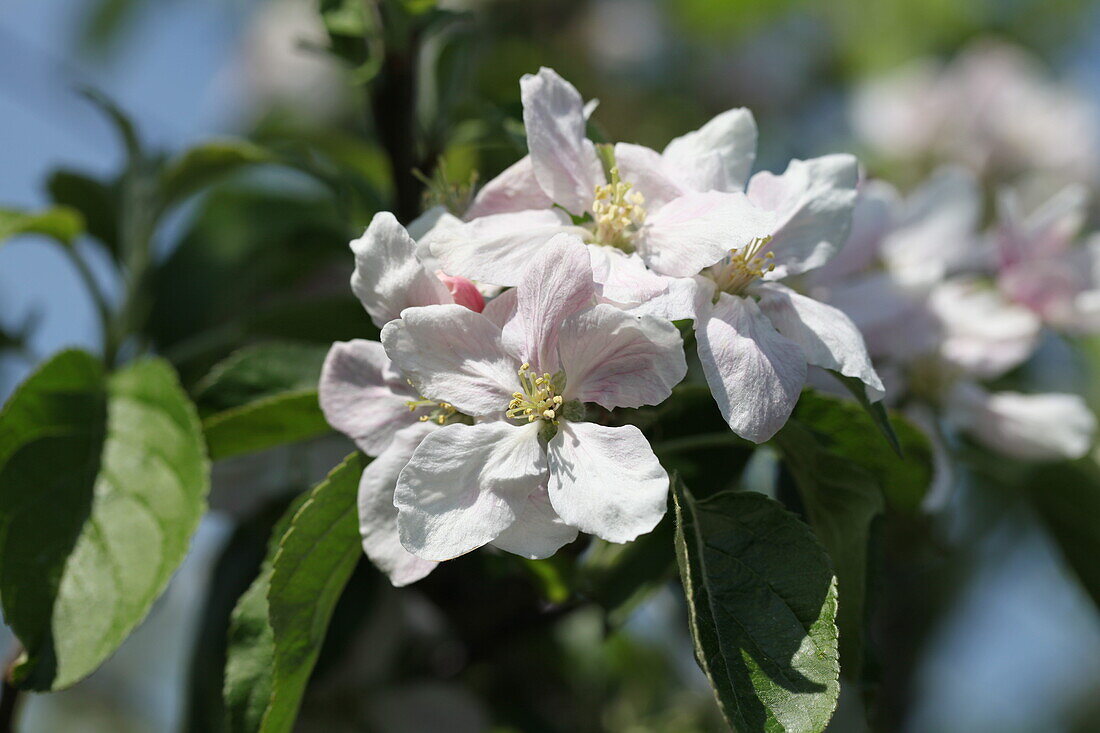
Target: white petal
465,484
812,202
645,169
985,335
378,515
828,338
502,308
754,373
452,354
564,159
679,300
497,249
732,137
894,319
515,189
538,532
388,277
623,278
698,230
1034,427
877,208
606,481
557,284
615,359
363,396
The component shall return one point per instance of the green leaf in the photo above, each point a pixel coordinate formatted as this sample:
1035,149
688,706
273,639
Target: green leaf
1067,498
763,602
287,417
841,501
59,222
850,432
876,410
124,128
96,201
103,480
264,370
281,621
205,164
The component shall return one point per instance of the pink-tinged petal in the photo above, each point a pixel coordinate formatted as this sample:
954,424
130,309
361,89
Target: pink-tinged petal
502,308
388,277
697,230
812,202
378,515
1047,231
497,249
623,278
615,359
363,396
877,208
935,235
731,138
452,354
984,334
557,284
1034,427
755,373
564,159
894,320
515,189
465,485
464,292
538,532
645,169
828,338
606,481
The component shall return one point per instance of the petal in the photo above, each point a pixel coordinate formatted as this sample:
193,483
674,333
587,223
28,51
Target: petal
984,334
615,359
1034,427
606,481
452,354
564,159
812,202
497,249
378,515
698,230
502,308
731,136
645,169
515,189
363,396
875,214
388,277
557,284
754,373
463,291
538,532
678,302
465,485
623,278
828,338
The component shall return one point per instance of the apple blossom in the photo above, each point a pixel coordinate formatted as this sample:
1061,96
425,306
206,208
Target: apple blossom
525,472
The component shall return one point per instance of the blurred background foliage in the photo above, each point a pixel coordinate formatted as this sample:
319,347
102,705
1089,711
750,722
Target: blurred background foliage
318,118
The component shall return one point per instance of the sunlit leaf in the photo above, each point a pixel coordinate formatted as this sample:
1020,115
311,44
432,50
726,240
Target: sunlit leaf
59,222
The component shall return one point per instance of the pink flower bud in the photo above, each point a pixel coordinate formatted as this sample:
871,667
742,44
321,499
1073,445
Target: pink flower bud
463,291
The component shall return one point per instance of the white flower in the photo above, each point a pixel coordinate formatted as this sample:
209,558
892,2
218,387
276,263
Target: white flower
518,212
363,396
529,472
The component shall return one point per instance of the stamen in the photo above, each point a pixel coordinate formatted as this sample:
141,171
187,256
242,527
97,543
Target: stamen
744,266
538,399
618,212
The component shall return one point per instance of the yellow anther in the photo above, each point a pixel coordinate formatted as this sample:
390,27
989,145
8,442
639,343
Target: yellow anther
538,399
744,266
617,210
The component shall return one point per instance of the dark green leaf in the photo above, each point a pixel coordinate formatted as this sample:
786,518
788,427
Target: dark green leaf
876,410
280,623
841,501
1067,497
763,602
96,201
123,457
59,222
260,371
121,122
287,417
205,164
848,431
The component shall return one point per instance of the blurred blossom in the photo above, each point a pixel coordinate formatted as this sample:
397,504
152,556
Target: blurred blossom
281,62
992,108
639,38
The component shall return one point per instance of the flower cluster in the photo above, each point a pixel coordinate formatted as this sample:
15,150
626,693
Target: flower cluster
513,337
946,308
